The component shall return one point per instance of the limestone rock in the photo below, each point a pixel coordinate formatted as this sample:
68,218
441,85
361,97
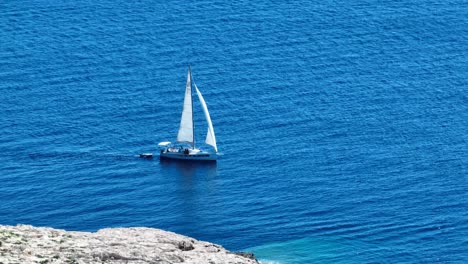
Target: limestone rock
139,245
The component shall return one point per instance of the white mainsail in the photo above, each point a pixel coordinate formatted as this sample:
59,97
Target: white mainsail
186,122
210,135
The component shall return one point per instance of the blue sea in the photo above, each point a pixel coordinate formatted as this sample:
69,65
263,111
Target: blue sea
343,124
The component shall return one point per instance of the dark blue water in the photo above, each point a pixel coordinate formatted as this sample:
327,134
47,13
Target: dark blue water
344,125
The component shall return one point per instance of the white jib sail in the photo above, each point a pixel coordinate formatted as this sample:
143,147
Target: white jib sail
186,123
210,135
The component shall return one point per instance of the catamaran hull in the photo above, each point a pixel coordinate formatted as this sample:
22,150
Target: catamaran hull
182,156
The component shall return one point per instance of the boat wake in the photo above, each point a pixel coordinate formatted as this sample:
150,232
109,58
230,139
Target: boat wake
80,155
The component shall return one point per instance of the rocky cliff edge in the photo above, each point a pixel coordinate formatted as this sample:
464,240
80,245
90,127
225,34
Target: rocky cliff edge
27,244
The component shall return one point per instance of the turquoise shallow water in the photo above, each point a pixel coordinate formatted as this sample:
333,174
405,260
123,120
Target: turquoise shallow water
343,125
318,250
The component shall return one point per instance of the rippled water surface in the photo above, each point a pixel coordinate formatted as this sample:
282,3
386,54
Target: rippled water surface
344,125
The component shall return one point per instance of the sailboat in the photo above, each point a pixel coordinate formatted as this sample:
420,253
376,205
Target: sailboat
185,148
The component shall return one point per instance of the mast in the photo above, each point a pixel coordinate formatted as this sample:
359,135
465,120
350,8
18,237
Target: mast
186,130
191,95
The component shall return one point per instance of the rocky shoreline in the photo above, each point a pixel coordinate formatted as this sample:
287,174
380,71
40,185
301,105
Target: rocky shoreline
27,244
